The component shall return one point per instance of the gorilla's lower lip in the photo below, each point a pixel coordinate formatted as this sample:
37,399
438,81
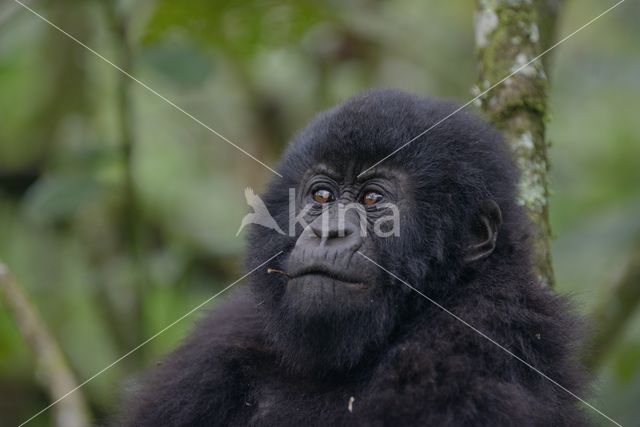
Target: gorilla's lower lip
321,269
352,282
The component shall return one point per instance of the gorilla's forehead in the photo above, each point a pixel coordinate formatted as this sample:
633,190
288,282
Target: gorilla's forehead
349,160
356,135
426,138
367,131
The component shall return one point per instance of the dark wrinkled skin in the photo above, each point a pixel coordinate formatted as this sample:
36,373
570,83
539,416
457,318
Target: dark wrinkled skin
338,341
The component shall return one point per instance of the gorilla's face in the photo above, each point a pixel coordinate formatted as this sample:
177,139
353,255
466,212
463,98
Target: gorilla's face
343,217
327,304
426,214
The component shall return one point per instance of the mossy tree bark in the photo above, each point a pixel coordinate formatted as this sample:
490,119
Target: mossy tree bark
509,34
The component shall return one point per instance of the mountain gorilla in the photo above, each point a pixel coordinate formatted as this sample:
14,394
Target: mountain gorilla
352,328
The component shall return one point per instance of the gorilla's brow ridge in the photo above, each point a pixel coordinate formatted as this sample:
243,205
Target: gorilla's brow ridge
387,173
323,168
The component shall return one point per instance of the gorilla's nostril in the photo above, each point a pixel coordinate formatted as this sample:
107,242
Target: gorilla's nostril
336,231
331,237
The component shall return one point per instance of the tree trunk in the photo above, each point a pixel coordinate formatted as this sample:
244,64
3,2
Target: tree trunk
509,35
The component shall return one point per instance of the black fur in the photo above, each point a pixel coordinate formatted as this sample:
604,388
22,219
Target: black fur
400,360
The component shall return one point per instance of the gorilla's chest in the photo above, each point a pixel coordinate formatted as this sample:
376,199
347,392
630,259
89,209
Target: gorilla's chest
283,403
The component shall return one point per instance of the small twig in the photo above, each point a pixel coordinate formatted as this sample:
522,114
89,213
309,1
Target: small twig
275,270
55,374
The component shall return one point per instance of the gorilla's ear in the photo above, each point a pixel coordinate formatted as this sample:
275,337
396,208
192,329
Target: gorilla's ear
484,232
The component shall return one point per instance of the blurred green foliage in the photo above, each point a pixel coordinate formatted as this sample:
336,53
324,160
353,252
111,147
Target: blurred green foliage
241,29
256,71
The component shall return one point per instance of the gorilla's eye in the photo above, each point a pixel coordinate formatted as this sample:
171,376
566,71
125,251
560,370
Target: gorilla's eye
370,198
322,195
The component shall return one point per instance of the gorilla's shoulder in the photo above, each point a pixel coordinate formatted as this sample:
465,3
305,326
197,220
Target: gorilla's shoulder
232,324
203,378
227,335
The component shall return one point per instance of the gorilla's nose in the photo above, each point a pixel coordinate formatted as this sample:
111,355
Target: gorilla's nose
335,232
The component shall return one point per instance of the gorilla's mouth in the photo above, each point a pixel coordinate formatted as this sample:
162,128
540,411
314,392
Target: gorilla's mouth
322,273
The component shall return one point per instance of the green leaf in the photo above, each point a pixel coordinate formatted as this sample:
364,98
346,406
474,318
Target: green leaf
237,28
57,198
627,362
181,64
